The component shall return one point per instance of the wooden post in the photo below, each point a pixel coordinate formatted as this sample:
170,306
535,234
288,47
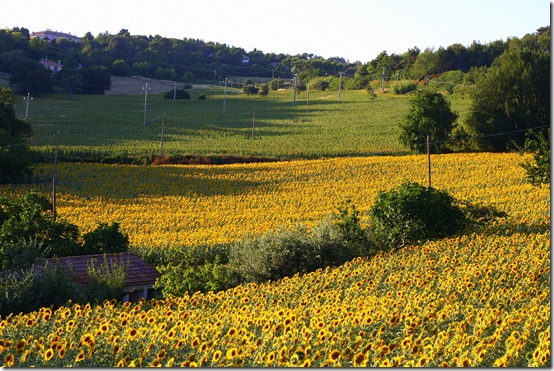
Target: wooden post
253,122
54,210
162,140
428,163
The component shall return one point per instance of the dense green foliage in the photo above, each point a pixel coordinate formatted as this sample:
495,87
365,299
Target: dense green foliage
429,115
28,231
47,284
412,213
15,156
513,95
286,252
159,57
538,171
106,239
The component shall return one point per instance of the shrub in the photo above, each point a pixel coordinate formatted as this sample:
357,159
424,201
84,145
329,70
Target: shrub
177,279
106,239
179,94
105,282
41,286
21,254
264,90
274,255
404,87
412,213
538,171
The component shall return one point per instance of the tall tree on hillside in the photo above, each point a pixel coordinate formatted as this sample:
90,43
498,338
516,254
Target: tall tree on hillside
429,115
514,94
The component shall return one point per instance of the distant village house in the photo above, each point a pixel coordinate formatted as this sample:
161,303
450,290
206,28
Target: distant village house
51,65
50,35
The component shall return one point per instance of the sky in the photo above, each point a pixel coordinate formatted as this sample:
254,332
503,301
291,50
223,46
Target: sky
356,30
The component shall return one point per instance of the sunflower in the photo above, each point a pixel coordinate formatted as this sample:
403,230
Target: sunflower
231,353
80,357
48,354
9,359
334,356
216,356
358,360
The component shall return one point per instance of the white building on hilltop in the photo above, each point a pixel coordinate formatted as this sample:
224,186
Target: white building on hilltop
50,35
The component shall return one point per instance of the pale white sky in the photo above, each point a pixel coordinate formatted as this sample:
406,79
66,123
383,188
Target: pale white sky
352,29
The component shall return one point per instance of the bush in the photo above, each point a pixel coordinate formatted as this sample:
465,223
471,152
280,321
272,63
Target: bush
177,279
106,239
179,94
30,289
21,254
413,213
538,171
404,87
105,282
274,255
264,90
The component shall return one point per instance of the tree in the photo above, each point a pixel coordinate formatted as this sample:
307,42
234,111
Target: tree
513,97
429,115
15,156
95,80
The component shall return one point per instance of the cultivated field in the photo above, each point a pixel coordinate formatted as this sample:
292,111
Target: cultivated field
481,299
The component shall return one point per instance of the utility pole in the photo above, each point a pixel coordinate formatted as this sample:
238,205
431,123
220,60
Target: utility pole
175,91
145,88
383,80
428,162
162,141
224,96
253,121
307,101
294,93
28,98
54,210
340,84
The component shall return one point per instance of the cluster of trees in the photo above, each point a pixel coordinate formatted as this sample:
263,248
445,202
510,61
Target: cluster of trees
88,65
510,99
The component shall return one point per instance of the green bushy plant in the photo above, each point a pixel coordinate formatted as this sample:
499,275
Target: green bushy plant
106,239
25,290
412,213
177,279
404,87
178,94
538,171
105,281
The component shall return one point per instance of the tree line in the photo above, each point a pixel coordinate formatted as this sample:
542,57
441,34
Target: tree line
88,65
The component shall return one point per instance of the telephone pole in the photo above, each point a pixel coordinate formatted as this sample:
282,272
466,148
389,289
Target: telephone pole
28,98
145,88
224,96
294,78
340,84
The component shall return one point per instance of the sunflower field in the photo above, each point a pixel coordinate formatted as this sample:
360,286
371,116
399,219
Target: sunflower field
480,299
